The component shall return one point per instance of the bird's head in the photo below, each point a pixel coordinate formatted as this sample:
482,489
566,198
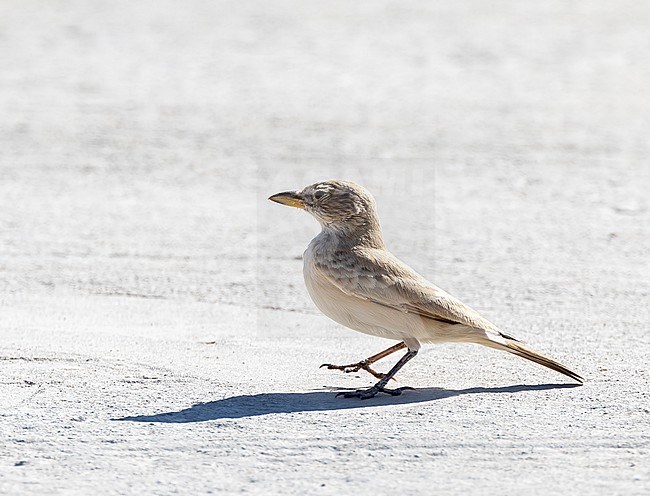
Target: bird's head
337,205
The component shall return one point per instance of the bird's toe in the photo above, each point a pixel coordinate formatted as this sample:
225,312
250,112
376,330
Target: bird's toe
365,394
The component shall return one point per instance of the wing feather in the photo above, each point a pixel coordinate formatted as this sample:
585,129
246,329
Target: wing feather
380,277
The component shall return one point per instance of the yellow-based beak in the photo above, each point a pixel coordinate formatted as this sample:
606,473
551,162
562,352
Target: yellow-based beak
290,198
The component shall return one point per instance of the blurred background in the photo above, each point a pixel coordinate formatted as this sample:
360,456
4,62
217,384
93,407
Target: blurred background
139,141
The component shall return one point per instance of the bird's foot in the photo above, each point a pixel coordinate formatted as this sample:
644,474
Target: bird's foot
354,367
365,394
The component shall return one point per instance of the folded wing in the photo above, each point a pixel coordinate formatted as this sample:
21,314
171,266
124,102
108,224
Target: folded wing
380,277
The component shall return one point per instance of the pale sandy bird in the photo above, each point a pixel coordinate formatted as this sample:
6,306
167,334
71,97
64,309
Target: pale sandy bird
354,280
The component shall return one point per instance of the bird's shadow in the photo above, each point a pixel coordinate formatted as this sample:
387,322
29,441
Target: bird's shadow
316,401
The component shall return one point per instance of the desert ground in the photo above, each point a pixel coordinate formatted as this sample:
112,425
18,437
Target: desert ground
155,333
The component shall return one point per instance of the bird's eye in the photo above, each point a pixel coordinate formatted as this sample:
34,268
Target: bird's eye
319,194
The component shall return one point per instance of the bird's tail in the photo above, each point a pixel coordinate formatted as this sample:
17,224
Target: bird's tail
516,348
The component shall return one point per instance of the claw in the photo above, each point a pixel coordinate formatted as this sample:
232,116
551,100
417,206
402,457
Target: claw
354,367
365,394
345,368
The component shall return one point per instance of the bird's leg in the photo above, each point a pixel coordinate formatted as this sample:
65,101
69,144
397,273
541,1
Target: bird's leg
380,387
365,364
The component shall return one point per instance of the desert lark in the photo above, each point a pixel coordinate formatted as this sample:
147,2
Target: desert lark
354,280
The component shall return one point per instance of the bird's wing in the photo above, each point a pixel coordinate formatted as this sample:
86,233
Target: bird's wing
380,277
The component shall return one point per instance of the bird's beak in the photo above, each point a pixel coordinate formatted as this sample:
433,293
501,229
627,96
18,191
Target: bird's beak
290,198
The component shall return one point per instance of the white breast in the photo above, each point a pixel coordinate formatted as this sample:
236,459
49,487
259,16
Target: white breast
350,311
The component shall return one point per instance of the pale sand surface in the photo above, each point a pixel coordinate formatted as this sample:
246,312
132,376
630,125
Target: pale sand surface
156,336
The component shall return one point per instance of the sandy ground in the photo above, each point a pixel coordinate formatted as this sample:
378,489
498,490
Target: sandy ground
156,337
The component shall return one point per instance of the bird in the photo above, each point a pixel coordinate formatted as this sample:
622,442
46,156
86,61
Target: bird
354,280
